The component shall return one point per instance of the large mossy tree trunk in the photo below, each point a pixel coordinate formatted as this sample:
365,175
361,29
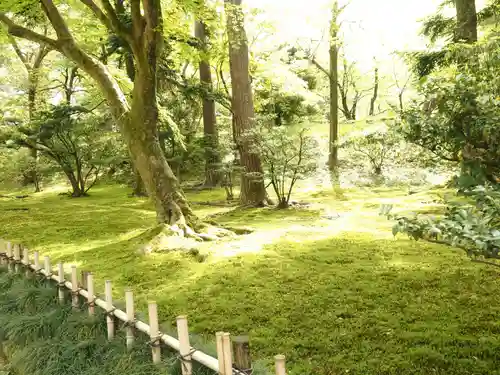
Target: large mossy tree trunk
141,134
211,137
253,191
139,122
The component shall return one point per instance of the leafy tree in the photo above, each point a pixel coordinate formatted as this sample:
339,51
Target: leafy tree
144,36
457,119
284,107
32,62
378,146
463,28
332,74
72,138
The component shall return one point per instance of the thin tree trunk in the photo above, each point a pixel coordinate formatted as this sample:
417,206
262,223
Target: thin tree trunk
334,106
31,115
375,92
211,138
253,191
334,94
33,70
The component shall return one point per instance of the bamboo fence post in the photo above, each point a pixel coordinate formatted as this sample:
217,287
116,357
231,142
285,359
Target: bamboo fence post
129,307
154,331
60,274
184,345
2,250
228,357
108,292
26,261
241,351
17,257
220,352
9,256
84,279
74,288
279,361
91,295
36,261
48,268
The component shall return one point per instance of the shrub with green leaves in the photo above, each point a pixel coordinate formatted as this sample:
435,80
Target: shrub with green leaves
288,156
377,145
473,226
457,116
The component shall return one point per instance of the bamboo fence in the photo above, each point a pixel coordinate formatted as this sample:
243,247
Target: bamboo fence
233,355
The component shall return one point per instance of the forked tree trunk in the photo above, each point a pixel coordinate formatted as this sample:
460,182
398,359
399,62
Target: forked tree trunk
253,191
211,138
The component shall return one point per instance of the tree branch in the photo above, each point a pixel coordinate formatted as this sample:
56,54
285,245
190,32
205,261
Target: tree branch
22,32
98,13
137,19
58,23
115,22
319,66
19,53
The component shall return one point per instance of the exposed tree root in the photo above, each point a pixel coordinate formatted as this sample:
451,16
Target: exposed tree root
182,237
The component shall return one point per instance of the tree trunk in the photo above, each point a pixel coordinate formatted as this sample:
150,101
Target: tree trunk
334,94
33,70
466,21
253,191
375,93
211,138
75,186
400,98
141,135
31,114
139,188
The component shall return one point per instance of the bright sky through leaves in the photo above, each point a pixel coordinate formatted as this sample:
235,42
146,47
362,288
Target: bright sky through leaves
371,28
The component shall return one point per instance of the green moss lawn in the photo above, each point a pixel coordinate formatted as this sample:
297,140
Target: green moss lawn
326,285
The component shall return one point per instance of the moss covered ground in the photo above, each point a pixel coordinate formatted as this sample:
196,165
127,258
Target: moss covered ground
326,285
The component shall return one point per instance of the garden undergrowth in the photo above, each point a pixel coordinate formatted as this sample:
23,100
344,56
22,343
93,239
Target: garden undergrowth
41,337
